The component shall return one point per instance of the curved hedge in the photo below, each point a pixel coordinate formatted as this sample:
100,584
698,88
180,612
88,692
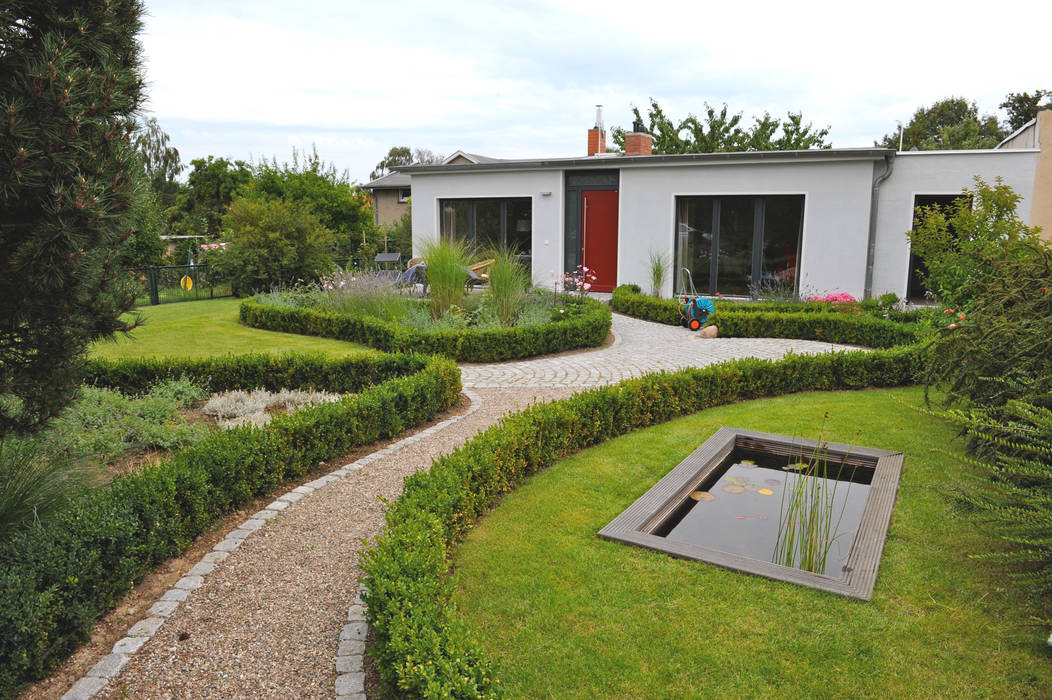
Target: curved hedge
587,326
421,648
803,321
56,581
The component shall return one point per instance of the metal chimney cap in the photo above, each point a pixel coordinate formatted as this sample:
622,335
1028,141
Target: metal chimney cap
638,128
599,117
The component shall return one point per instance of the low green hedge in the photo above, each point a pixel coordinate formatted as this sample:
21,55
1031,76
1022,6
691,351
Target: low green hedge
587,324
56,581
809,320
421,649
347,375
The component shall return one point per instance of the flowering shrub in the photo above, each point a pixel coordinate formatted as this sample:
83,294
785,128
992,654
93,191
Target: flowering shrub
838,297
580,280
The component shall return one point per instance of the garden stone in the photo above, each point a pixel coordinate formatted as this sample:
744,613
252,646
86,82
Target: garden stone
349,664
129,645
176,594
190,583
85,688
350,683
109,666
163,608
351,647
202,568
354,630
709,332
146,628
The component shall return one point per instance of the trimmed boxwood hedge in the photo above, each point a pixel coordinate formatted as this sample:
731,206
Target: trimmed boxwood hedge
56,581
807,321
587,324
421,648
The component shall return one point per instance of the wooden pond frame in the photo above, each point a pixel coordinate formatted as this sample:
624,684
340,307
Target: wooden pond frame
702,468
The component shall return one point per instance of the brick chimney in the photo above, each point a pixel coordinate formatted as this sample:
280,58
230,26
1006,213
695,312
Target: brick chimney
638,142
597,134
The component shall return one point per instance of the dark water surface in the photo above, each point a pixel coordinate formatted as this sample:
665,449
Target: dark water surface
747,503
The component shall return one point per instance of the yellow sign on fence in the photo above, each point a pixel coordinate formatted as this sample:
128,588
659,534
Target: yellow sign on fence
187,282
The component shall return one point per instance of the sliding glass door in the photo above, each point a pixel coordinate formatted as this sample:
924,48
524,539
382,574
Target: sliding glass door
734,245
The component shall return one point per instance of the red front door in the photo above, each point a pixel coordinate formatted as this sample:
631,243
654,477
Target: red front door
599,237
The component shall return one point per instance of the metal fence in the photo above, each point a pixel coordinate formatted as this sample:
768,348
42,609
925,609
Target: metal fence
170,283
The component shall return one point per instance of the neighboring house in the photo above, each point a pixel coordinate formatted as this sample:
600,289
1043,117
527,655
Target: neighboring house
391,194
831,220
392,191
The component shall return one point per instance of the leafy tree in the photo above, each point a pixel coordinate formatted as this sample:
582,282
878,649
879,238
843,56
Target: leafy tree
1022,106
342,207
212,185
398,155
159,160
69,87
950,124
403,155
963,244
273,242
719,131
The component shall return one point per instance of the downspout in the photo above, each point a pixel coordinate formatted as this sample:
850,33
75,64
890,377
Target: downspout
871,248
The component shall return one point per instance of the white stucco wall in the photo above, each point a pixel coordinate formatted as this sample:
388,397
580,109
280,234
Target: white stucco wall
835,226
937,172
544,187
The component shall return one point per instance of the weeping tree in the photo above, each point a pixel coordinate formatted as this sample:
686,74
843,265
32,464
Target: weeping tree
70,86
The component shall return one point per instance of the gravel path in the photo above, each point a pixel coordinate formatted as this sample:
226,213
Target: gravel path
267,621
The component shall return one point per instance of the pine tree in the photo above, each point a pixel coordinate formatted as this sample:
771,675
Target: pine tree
70,85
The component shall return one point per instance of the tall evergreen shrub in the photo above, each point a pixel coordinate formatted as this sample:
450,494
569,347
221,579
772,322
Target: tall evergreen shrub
69,87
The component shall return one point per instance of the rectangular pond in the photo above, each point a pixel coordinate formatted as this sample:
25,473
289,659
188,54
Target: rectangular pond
808,512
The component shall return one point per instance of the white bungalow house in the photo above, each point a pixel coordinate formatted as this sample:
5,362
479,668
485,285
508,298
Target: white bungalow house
831,220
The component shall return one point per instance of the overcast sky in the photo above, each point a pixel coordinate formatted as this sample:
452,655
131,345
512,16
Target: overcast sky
244,79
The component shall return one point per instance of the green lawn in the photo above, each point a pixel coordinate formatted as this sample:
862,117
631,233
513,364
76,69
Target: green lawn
208,328
565,614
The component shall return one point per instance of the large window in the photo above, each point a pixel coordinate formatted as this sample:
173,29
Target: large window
484,224
737,245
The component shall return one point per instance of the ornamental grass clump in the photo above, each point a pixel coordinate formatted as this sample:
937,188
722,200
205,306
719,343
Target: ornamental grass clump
508,285
36,487
658,272
447,274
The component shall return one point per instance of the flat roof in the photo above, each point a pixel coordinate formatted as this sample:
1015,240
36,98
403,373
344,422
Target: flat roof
615,161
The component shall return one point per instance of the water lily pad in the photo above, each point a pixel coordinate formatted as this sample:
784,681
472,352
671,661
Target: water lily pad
741,517
796,467
765,492
734,488
747,464
772,482
702,496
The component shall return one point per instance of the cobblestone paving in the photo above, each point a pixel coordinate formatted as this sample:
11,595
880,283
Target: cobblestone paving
639,347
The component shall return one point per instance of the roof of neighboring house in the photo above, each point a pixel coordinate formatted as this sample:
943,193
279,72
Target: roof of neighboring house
459,157
1029,126
392,180
618,161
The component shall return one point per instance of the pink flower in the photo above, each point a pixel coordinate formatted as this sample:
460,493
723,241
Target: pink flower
562,311
586,286
961,317
952,326
948,311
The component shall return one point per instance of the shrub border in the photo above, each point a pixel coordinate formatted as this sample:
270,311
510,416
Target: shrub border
809,320
587,327
421,648
56,581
